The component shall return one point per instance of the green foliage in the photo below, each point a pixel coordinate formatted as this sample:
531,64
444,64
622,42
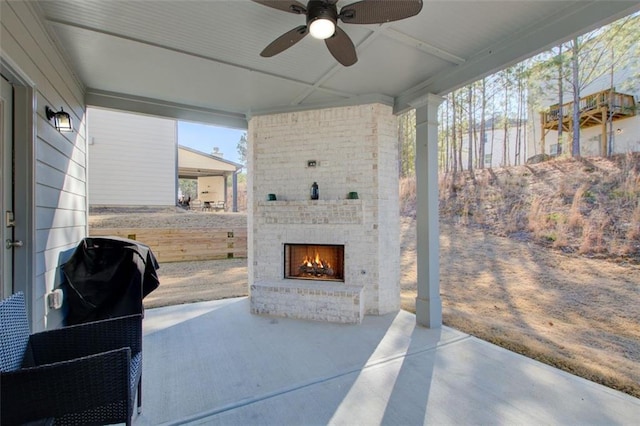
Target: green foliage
242,148
589,196
189,188
556,217
407,143
623,194
242,180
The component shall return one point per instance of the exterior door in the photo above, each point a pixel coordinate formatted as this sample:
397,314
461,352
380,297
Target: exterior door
7,243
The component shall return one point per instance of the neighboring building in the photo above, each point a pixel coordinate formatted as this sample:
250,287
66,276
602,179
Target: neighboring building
143,149
541,136
496,152
609,123
212,173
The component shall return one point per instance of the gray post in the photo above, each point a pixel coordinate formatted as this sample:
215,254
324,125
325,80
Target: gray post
234,186
428,302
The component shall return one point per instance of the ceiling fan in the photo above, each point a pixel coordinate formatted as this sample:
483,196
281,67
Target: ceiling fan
322,17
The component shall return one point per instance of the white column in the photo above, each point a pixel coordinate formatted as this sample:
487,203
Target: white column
428,303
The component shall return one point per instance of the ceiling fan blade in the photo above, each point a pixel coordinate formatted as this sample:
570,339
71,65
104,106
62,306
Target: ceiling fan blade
379,11
342,48
285,41
291,6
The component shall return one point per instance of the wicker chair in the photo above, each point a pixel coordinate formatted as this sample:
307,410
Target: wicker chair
82,374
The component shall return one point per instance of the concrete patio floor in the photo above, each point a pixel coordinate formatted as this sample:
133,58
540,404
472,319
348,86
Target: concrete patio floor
215,363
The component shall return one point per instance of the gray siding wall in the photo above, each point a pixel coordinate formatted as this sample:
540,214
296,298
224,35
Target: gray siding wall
57,192
132,159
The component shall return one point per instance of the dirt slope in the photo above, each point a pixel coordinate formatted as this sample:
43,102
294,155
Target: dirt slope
589,206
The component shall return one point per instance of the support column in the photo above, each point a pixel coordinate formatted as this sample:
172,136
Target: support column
234,184
428,302
605,142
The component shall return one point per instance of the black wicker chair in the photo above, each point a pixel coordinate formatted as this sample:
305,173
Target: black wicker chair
82,374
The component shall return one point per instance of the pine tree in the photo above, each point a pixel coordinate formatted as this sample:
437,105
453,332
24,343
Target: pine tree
242,148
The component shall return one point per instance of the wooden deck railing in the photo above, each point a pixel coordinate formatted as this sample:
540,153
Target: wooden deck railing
618,105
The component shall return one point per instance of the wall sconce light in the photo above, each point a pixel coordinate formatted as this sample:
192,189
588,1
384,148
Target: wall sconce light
61,119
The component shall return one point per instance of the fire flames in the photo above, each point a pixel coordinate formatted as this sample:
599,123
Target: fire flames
314,265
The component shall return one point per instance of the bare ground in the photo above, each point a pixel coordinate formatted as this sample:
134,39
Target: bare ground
572,312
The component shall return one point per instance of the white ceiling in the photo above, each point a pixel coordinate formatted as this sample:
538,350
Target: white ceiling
200,59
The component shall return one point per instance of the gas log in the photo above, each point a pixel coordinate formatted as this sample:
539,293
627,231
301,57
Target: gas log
312,268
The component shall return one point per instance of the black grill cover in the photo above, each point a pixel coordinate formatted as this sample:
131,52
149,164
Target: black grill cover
107,277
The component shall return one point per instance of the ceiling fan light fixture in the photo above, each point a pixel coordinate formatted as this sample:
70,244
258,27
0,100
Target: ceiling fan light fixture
322,18
322,28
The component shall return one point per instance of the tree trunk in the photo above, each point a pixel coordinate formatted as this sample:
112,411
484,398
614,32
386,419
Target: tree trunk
470,112
461,139
575,81
611,109
446,137
518,145
493,138
505,144
454,126
483,138
560,98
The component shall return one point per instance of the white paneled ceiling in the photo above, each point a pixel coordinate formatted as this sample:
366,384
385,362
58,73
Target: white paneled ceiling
205,54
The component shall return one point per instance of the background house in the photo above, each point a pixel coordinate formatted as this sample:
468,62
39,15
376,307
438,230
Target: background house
621,134
135,160
505,144
211,174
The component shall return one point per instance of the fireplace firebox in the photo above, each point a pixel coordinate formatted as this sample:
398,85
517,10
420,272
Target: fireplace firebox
320,262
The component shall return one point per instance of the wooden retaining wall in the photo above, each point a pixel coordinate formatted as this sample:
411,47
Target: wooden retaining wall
182,245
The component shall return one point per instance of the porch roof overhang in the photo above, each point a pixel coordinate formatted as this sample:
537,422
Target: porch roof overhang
193,164
200,60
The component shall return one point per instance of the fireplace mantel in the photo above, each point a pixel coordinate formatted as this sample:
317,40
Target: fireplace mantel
310,212
308,203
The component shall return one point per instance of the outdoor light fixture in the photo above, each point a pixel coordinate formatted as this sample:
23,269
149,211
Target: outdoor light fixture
618,131
321,20
61,119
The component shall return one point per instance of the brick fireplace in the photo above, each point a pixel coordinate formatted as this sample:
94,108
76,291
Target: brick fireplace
344,150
